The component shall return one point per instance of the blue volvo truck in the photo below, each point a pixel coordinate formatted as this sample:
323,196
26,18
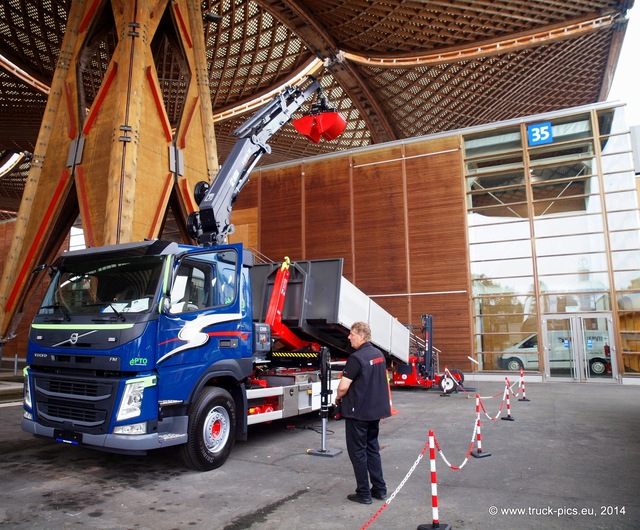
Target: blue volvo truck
152,344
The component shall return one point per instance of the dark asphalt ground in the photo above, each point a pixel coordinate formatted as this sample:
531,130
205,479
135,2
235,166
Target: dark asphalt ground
569,460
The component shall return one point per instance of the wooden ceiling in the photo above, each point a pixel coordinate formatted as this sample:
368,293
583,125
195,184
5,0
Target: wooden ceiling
395,69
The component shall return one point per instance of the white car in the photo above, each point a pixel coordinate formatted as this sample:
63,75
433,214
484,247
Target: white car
524,354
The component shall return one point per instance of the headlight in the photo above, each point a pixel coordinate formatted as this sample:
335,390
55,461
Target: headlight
26,392
131,403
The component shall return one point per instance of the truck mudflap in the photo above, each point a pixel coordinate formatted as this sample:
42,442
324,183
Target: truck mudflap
117,443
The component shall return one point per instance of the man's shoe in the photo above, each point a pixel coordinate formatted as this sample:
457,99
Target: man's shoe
354,497
378,496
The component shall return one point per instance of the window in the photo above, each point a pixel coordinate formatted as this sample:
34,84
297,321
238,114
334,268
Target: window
544,220
109,286
204,280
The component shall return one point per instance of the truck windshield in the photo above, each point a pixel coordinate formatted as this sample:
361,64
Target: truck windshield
115,286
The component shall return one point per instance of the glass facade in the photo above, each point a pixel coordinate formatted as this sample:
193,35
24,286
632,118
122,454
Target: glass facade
553,230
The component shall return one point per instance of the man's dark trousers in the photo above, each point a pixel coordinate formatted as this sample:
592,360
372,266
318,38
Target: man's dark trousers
364,452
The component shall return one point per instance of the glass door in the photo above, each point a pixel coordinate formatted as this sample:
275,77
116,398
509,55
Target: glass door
579,347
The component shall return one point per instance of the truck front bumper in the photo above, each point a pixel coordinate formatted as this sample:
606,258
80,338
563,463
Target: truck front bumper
119,443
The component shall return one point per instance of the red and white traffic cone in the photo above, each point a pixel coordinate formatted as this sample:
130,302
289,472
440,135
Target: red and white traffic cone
393,411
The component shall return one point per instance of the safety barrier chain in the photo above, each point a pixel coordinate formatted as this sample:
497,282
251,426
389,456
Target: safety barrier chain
505,393
466,459
508,390
434,445
397,490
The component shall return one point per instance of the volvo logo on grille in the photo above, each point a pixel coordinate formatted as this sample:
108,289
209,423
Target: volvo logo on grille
73,339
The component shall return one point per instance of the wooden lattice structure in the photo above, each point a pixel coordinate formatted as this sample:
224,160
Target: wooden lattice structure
395,70
398,69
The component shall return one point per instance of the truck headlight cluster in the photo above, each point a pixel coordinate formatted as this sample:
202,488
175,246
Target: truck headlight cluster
27,390
131,403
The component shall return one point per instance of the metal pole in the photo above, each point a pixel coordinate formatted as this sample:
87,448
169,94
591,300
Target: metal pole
325,392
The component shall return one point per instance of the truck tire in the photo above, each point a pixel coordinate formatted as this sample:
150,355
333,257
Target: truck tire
211,431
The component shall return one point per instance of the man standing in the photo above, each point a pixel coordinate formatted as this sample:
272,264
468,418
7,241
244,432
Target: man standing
364,392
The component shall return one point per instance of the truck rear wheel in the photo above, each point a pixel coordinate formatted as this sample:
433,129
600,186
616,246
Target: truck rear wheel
211,431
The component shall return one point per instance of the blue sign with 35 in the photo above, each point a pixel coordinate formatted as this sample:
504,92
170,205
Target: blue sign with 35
540,133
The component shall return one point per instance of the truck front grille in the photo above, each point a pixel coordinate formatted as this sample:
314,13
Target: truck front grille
75,388
74,403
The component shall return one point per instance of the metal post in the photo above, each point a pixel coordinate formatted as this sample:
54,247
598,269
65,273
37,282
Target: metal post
434,488
507,391
325,392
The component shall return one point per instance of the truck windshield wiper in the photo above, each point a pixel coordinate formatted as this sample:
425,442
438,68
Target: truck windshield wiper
62,310
119,315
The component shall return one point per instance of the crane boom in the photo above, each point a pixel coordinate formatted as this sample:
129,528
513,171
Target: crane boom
211,225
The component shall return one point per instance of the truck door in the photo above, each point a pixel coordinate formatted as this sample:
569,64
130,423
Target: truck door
205,320
579,347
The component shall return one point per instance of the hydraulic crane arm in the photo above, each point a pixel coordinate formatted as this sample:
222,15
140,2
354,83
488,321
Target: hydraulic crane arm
212,224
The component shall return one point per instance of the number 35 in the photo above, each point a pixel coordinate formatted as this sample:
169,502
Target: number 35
540,133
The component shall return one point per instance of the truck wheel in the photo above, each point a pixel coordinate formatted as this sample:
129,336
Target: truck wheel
598,366
211,431
514,364
447,384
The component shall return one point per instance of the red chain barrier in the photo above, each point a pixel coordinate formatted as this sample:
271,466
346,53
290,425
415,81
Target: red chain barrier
397,490
433,445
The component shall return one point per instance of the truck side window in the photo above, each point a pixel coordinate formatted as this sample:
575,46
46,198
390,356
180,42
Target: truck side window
204,280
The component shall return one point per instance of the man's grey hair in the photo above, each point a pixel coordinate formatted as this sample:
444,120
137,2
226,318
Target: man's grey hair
363,329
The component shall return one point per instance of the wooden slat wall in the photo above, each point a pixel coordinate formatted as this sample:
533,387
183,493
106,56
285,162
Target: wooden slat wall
280,219
328,220
437,238
395,214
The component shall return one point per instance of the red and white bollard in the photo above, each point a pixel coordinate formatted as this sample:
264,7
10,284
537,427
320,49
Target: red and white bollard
507,391
478,453
524,392
434,488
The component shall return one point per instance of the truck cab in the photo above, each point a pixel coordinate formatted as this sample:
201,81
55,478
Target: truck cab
119,348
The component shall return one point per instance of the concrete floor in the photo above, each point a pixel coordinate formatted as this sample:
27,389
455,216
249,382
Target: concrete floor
569,460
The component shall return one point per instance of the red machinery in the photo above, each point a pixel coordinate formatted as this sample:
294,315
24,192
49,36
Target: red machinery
422,368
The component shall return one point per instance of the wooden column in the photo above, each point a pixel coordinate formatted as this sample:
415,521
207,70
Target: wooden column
112,162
